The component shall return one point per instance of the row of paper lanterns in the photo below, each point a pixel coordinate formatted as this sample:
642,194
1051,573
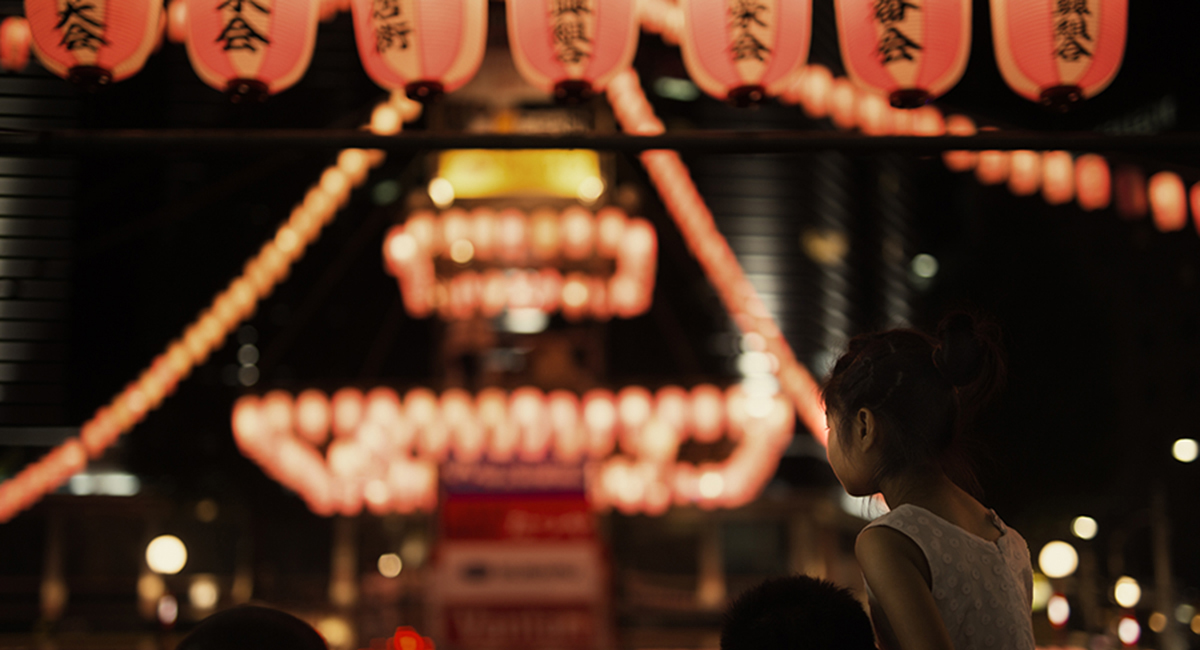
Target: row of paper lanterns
1059,176
510,260
1054,52
376,449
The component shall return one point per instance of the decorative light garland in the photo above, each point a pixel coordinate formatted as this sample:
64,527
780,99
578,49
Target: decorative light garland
231,306
683,201
381,452
528,259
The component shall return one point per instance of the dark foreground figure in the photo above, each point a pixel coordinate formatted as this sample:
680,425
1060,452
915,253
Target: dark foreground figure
796,613
250,627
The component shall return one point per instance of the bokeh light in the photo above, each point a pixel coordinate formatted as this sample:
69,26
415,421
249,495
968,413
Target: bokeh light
166,554
1128,630
1058,559
1157,622
1042,591
1084,527
203,593
1058,610
167,610
1127,592
441,192
390,565
1184,613
1185,450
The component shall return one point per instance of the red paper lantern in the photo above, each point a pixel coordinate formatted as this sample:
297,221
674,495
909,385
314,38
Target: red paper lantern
572,48
1130,192
94,43
1093,182
1026,173
423,47
1059,53
743,51
907,52
1168,201
1058,177
14,43
251,48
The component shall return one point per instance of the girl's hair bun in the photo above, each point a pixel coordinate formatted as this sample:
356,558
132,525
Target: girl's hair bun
970,355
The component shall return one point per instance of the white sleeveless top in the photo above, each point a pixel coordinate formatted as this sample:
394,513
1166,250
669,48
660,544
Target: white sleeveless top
984,590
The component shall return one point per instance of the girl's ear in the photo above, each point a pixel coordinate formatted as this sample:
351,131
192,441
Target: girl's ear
866,428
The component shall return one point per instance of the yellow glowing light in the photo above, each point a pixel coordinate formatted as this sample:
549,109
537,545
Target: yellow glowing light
1084,527
712,484
1058,610
1196,624
1058,559
575,293
402,247
1042,591
1128,630
1127,592
590,189
390,565
462,251
1185,450
480,173
1157,622
203,592
166,554
442,192
150,587
336,631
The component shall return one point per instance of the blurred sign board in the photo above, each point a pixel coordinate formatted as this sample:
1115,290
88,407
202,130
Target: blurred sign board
518,563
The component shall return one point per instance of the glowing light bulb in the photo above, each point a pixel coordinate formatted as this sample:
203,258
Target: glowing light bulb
166,554
590,189
1058,559
390,565
1185,450
462,251
1058,610
442,192
1127,592
711,485
1128,630
1084,527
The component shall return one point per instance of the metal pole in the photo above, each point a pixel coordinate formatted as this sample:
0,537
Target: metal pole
159,141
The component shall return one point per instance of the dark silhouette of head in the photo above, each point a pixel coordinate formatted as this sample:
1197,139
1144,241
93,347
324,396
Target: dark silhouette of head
250,627
796,613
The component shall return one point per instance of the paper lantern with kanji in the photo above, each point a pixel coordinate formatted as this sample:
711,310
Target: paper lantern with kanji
911,52
94,42
251,48
572,48
744,50
423,47
1059,52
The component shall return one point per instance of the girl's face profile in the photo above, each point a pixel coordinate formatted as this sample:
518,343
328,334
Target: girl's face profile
844,457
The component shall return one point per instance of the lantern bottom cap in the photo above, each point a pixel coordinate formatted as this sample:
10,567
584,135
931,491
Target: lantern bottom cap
1062,99
572,92
247,91
424,91
909,98
747,96
89,77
